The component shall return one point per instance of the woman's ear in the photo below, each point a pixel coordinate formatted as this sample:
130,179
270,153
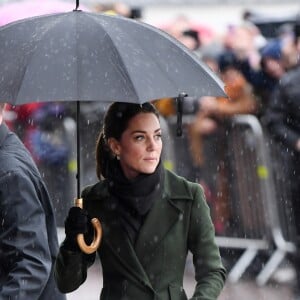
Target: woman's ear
114,146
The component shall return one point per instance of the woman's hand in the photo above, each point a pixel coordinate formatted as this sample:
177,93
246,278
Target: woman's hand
77,221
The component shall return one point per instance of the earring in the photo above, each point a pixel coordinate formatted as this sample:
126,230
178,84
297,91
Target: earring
117,156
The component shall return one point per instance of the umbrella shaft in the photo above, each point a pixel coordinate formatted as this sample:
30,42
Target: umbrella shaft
78,146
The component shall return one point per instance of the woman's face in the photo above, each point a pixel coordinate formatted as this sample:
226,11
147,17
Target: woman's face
140,145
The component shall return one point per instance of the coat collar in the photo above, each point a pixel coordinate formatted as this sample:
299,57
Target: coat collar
3,133
164,214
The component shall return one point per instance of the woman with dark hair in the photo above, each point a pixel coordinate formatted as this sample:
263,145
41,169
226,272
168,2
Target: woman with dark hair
150,217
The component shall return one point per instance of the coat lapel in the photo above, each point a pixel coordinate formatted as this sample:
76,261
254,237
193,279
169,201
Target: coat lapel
3,133
115,236
160,220
118,241
163,216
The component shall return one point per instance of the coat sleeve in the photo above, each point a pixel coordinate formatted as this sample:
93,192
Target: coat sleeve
209,271
71,269
25,255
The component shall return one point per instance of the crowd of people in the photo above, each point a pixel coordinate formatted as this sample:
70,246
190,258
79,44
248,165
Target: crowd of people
261,76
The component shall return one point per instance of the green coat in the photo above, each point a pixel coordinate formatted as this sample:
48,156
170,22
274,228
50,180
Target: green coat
154,267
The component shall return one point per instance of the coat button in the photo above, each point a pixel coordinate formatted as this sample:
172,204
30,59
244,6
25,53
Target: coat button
125,285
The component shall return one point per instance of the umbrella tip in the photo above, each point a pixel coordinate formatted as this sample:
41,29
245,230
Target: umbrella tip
179,107
77,5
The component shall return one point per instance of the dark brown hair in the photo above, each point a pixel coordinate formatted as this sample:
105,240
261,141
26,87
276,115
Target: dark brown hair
115,123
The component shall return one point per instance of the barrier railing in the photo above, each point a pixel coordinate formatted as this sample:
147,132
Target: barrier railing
256,221
248,173
265,198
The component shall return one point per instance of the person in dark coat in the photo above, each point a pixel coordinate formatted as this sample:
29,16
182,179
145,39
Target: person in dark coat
28,235
150,217
283,121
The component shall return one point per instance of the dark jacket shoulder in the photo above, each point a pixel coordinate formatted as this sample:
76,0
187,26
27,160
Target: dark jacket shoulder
178,187
291,76
95,190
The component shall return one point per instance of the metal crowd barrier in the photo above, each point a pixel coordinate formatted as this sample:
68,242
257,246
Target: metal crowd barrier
255,203
279,205
259,201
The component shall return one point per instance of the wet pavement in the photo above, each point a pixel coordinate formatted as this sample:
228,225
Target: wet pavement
245,289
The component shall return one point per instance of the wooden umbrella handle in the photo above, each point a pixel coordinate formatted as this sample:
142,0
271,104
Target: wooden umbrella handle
89,249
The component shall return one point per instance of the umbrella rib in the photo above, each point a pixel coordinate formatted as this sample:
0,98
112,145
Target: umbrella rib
124,69
137,41
33,52
153,60
189,54
173,42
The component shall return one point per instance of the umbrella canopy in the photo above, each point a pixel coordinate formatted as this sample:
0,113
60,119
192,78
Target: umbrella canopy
96,57
81,56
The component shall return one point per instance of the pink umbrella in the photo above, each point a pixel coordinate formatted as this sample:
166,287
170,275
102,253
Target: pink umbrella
17,10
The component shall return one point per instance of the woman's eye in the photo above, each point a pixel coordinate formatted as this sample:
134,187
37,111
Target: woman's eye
158,136
139,137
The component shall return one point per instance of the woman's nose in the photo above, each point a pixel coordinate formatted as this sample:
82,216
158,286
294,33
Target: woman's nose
152,144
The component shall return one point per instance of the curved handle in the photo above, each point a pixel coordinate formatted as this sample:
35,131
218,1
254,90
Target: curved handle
89,249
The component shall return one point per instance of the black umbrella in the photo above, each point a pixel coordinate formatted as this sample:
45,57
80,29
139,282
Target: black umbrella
95,57
81,56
